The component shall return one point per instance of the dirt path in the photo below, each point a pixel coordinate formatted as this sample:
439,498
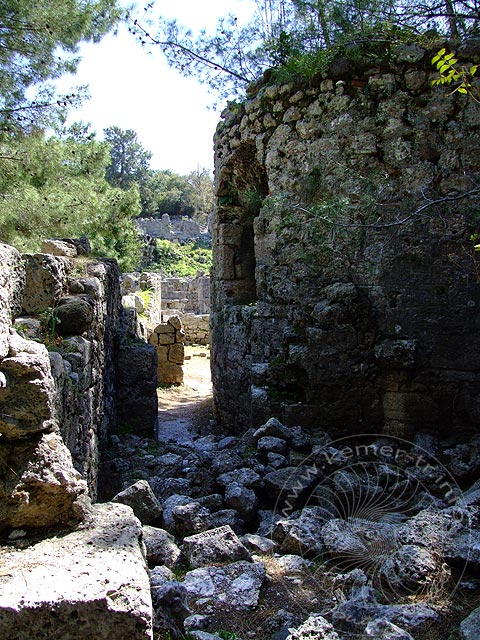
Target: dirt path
184,411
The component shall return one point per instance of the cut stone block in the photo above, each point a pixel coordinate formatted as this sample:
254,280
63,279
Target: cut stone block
92,583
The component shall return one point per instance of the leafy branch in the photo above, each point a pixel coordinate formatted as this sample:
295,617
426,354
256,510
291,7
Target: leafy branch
449,73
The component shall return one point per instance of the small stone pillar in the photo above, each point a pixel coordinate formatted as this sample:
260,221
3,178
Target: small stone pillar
168,339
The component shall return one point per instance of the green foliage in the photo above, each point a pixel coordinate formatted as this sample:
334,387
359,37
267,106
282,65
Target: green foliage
289,35
450,73
167,192
55,187
174,259
129,161
38,42
227,635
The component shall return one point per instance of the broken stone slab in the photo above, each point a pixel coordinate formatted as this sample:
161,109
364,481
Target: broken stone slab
304,536
142,500
59,248
233,587
39,486
214,546
244,476
161,547
91,583
274,428
258,544
241,499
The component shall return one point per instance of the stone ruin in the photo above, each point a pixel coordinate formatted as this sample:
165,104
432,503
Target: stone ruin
345,284
62,398
175,228
188,298
168,338
371,330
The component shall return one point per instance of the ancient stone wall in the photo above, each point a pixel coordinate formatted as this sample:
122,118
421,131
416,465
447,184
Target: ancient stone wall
197,328
175,228
186,295
345,286
62,336
168,338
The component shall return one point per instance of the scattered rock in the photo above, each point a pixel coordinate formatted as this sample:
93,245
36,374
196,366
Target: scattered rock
169,600
410,568
234,587
216,545
384,630
315,627
141,498
161,547
470,627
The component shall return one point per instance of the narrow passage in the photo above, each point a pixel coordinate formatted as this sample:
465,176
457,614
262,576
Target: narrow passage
185,411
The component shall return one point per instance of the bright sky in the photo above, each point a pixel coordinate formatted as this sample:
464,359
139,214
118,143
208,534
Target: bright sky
134,89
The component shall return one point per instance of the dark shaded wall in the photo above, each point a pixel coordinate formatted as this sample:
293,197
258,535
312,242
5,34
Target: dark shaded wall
345,290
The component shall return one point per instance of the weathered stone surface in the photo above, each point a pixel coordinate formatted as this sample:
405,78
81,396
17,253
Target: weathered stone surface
290,483
315,627
161,547
385,630
142,500
357,538
57,247
241,499
329,331
137,402
470,627
39,487
409,569
75,315
234,587
216,545
169,599
92,582
304,537
45,282
28,393
12,282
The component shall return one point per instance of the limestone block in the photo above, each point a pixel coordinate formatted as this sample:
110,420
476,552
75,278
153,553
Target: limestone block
28,393
12,282
39,486
162,352
176,353
59,248
175,322
91,583
164,328
46,281
166,338
161,547
214,546
142,500
170,373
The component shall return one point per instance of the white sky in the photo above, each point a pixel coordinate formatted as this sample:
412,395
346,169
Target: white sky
134,89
